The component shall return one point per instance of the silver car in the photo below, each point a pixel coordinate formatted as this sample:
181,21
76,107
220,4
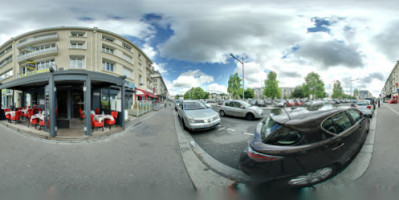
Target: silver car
239,108
365,107
196,116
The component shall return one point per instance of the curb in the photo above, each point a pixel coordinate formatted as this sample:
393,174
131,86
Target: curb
200,175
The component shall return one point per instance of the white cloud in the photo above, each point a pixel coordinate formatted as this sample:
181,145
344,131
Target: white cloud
161,68
188,80
149,51
216,88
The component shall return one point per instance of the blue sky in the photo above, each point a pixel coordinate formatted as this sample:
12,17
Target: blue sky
190,43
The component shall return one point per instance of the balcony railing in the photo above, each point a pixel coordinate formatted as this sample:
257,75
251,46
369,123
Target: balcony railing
36,53
37,39
36,71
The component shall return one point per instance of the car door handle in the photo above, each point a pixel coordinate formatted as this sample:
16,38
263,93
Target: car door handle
337,147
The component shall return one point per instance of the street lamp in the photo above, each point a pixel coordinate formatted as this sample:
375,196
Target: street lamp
242,63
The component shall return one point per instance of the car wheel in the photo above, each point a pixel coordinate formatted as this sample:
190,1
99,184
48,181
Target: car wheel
221,113
249,116
313,177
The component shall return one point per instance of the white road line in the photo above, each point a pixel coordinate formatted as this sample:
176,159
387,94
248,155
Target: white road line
392,109
251,134
231,129
221,128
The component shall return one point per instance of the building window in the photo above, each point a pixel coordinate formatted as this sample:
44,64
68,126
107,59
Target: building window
5,61
140,80
5,50
77,62
41,65
107,38
127,57
6,75
108,49
108,66
126,46
77,44
127,72
78,34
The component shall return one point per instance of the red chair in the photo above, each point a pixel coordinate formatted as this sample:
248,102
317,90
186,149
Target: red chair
97,111
42,124
110,122
96,124
34,122
16,117
82,115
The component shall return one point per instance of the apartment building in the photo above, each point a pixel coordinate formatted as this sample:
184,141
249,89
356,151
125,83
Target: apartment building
391,87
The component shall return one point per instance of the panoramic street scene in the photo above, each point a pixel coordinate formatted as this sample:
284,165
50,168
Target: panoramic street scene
199,100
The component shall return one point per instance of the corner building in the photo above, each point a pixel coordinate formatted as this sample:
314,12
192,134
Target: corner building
67,69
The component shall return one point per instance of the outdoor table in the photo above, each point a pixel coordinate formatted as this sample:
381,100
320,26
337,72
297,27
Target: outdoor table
38,116
101,117
12,113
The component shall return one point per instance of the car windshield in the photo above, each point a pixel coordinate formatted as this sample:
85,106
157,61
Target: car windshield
245,104
268,127
194,106
363,103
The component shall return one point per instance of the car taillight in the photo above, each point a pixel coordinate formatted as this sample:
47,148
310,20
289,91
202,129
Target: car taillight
355,106
369,107
260,157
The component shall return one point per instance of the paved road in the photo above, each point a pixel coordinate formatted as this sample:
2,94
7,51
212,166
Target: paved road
383,170
146,156
226,142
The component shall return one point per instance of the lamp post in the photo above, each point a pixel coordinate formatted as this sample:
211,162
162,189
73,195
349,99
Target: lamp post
242,63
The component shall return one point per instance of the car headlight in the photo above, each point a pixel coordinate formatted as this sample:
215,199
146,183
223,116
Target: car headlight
191,120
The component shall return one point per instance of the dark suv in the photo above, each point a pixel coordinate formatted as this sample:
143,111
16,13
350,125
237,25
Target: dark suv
304,146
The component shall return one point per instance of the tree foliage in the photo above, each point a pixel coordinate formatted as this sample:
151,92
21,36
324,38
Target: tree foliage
313,86
298,92
234,86
249,93
338,92
355,93
196,93
271,86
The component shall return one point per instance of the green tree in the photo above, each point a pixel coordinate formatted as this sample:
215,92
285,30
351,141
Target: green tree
338,92
298,92
206,95
271,86
234,86
195,93
313,86
355,93
249,93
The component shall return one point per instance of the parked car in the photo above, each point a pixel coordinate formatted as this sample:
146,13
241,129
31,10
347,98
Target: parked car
303,146
372,102
280,103
365,107
392,101
252,102
260,102
194,115
177,102
206,104
290,103
238,108
220,102
298,103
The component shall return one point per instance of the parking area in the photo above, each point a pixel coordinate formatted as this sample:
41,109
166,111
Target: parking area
228,139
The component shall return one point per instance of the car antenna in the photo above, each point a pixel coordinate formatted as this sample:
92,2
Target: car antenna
289,118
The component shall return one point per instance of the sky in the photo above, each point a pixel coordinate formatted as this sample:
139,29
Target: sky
190,42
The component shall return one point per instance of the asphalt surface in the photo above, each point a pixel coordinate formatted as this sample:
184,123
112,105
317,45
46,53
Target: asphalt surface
144,156
226,142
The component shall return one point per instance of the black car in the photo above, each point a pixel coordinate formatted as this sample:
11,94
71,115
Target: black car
260,103
304,146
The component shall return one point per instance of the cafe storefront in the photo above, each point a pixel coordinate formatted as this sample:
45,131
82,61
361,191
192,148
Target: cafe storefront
64,96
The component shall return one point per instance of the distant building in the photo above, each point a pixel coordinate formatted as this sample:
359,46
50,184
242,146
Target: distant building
391,87
286,92
258,92
363,94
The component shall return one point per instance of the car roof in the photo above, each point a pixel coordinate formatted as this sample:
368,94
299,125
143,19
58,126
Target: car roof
303,116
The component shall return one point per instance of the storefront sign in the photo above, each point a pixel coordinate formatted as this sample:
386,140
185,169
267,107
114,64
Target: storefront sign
130,85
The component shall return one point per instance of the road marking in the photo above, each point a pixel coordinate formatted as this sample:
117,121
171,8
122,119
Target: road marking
392,109
231,129
221,128
251,134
